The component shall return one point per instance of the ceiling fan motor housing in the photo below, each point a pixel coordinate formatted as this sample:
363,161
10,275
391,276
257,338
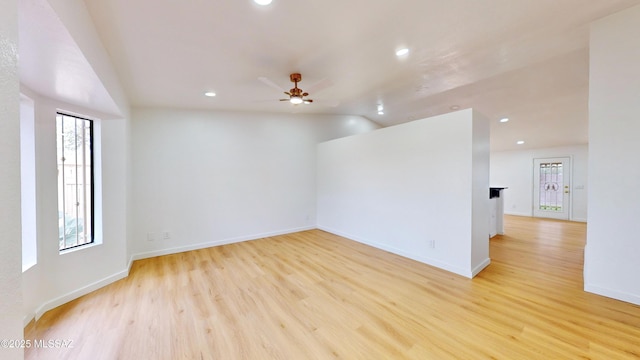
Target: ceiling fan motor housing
296,93
295,78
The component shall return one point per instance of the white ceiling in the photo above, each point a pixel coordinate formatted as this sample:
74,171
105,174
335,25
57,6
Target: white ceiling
51,63
525,59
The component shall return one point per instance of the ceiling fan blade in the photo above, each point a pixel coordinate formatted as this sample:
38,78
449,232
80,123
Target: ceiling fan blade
285,99
319,86
307,101
270,83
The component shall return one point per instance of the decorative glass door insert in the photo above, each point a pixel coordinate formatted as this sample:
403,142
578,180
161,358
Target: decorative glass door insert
551,186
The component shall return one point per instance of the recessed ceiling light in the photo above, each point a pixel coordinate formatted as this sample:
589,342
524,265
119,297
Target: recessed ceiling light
402,52
504,120
210,94
262,2
520,142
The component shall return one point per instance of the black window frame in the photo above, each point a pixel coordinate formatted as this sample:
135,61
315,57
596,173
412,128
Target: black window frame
92,185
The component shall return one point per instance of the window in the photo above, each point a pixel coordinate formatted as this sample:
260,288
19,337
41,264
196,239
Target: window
75,181
28,183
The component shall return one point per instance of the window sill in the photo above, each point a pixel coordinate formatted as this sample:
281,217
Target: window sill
26,267
79,248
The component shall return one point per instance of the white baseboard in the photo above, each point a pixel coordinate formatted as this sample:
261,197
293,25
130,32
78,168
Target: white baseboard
531,215
468,273
476,270
614,294
516,213
27,319
124,273
78,293
204,245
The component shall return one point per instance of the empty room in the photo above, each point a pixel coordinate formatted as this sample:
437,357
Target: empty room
256,179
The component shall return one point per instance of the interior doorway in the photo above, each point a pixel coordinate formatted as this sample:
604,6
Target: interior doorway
552,187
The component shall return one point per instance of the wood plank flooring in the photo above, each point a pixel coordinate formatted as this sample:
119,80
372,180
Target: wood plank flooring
314,295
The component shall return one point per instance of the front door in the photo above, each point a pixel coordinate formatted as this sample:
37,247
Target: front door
552,187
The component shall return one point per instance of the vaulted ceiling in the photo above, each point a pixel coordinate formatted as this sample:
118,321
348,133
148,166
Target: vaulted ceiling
526,60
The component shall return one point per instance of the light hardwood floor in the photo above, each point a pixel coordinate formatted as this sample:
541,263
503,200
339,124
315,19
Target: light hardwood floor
313,295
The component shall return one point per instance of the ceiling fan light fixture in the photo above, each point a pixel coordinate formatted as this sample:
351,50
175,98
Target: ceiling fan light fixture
262,2
296,100
402,52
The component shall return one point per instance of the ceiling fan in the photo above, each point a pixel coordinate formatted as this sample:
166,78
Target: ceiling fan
296,95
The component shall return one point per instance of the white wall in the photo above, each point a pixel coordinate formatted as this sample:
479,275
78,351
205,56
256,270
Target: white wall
514,169
10,244
400,187
613,237
58,278
209,177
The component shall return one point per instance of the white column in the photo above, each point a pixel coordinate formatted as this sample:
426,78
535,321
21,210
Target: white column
10,229
613,236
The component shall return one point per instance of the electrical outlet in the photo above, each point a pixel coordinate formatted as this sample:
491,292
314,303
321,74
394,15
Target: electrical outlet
166,235
432,244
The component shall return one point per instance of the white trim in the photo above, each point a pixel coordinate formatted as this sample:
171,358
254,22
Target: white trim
27,319
79,292
516,213
124,273
476,270
205,245
130,264
41,310
614,294
78,248
468,273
